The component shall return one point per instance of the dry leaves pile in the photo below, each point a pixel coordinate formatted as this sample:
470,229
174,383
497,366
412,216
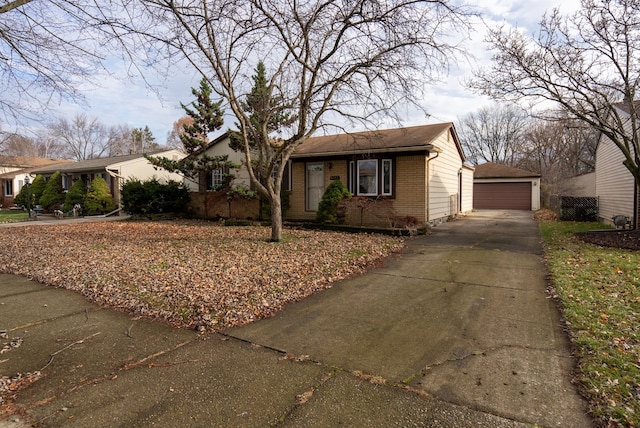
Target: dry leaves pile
192,274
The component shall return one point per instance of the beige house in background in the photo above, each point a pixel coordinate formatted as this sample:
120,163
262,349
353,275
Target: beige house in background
220,147
412,173
114,170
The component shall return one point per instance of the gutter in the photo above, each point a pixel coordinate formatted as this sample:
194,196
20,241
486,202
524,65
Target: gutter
429,147
437,151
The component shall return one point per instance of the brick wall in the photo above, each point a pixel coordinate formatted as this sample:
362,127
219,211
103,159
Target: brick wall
218,206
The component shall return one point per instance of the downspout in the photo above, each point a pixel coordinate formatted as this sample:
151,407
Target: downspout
437,151
116,189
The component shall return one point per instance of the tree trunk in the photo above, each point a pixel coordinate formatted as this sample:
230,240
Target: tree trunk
276,218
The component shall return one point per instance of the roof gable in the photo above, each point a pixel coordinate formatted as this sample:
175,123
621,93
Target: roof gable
495,170
415,138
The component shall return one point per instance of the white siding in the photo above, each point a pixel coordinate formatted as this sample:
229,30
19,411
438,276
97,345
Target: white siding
141,169
615,185
442,180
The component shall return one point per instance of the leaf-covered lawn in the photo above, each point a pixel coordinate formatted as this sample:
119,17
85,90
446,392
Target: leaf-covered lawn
600,295
192,274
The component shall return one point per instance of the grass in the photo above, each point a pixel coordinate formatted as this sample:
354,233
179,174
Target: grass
599,292
7,216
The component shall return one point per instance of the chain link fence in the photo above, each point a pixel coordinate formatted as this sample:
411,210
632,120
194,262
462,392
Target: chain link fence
574,208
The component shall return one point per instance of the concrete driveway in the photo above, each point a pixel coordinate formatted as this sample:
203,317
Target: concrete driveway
461,322
463,316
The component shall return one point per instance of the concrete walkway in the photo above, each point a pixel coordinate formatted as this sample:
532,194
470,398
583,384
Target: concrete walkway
458,331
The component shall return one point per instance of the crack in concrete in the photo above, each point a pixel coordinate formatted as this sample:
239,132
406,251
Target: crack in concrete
453,282
464,355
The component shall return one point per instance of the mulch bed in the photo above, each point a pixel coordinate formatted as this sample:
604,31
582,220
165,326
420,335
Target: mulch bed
627,239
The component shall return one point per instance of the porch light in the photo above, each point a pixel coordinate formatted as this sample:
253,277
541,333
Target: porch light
26,182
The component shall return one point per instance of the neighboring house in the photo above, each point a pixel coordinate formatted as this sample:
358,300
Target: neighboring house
582,186
115,170
220,147
498,186
13,170
416,173
615,186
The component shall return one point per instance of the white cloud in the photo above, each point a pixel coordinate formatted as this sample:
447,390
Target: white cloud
120,101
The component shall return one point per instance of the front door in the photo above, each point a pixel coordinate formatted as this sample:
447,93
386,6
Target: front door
315,185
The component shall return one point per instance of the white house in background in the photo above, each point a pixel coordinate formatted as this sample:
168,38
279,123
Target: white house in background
220,147
615,186
114,170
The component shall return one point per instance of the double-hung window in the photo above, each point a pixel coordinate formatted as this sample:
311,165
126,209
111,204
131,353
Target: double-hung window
217,178
8,188
371,177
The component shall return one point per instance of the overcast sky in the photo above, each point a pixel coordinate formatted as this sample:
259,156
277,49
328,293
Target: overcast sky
123,101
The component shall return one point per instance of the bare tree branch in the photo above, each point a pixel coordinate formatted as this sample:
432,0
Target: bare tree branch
360,59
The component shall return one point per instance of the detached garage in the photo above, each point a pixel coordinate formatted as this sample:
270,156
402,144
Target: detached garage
498,186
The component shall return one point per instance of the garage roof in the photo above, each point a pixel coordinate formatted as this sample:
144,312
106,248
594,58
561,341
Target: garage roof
495,170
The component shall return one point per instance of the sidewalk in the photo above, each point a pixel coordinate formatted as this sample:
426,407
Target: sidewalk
456,332
45,220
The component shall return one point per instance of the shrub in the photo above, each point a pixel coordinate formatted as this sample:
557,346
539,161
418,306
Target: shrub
328,207
53,195
21,198
98,199
36,189
76,195
153,197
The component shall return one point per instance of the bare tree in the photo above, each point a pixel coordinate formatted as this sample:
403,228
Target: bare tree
494,134
557,150
588,64
85,138
359,59
19,145
50,49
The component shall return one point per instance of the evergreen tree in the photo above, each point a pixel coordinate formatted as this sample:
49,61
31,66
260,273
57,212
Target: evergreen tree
328,206
76,195
53,194
266,155
36,189
143,140
207,117
98,200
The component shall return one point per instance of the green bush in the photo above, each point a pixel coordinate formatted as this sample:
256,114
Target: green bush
53,194
153,197
328,207
98,199
36,189
21,198
76,195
